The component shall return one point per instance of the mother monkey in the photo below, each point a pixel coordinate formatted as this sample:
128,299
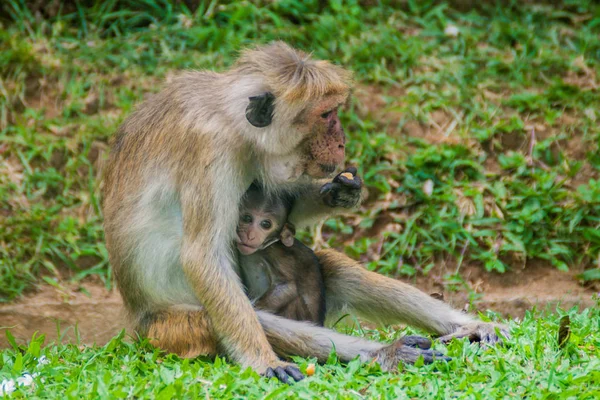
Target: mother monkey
176,174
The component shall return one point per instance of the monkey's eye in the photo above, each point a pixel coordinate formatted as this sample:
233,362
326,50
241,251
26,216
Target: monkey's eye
247,218
266,224
326,115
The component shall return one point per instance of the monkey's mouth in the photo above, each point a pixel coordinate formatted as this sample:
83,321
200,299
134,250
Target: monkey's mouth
328,168
245,249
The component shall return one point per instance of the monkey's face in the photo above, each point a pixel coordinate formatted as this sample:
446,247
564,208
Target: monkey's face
256,230
326,144
306,140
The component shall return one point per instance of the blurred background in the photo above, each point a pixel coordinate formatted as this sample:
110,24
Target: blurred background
473,123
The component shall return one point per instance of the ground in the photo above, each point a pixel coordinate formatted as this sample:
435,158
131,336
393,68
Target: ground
475,129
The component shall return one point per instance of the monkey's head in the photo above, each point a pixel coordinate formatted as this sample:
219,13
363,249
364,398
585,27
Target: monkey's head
263,221
292,110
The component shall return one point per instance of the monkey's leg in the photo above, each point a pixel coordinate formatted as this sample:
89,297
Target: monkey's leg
349,286
289,337
185,332
188,332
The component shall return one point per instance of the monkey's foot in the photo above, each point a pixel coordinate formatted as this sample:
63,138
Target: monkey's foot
485,332
407,349
283,371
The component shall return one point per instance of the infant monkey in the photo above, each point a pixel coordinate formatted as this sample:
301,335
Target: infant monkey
281,275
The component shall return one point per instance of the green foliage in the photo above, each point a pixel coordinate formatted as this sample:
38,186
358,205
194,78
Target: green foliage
532,365
499,194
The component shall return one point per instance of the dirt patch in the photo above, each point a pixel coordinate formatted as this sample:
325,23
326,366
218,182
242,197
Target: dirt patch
385,106
537,285
74,317
69,315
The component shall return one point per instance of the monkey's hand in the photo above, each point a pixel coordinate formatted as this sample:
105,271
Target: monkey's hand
485,332
344,190
407,349
283,371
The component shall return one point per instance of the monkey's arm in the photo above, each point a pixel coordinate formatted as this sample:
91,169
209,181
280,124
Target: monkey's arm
208,265
277,297
322,198
386,300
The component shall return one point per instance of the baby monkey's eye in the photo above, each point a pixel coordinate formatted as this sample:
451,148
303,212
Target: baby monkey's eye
247,218
266,224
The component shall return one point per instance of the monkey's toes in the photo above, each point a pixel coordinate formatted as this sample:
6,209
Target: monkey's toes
429,356
412,354
484,333
491,337
416,341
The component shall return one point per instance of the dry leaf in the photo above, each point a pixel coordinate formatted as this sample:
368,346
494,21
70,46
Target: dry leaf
564,331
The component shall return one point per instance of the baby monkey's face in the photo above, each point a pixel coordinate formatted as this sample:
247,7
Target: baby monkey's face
256,230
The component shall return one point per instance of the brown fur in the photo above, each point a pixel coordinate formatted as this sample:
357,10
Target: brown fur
176,173
281,274
187,333
293,75
179,167
296,288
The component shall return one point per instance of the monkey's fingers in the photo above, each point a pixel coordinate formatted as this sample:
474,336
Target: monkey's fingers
294,372
280,374
355,182
350,170
416,341
269,373
283,374
326,188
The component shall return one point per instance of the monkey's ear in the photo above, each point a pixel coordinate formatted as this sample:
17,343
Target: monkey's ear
287,234
260,110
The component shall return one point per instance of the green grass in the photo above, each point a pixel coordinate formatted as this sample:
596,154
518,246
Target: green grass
531,366
479,149
456,111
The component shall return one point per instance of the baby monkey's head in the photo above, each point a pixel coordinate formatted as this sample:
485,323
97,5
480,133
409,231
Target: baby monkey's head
263,221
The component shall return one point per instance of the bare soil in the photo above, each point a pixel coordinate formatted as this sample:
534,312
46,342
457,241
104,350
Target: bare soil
68,315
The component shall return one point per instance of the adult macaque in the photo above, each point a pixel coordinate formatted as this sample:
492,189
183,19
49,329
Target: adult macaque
178,169
281,274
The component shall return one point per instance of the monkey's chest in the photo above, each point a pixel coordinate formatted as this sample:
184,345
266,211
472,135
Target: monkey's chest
256,276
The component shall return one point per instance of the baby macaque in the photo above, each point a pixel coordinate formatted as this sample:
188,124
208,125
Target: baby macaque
281,275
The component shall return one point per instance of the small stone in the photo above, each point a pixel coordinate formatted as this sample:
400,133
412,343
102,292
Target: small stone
451,30
428,187
590,113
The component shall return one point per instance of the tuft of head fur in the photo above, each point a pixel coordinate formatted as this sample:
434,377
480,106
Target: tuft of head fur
292,74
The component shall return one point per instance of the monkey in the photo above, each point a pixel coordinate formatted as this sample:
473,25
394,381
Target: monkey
281,274
176,173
